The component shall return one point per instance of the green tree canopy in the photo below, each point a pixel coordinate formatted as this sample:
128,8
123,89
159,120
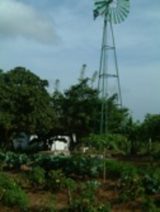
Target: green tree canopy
78,110
151,127
25,104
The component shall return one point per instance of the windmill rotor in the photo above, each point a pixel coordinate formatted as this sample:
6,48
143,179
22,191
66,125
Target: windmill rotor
114,10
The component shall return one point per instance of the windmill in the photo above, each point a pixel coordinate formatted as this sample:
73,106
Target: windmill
113,11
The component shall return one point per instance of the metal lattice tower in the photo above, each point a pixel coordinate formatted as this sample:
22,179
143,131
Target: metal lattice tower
113,11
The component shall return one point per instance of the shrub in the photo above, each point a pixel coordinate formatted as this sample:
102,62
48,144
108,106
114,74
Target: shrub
12,194
130,187
15,197
86,200
79,165
84,166
149,205
55,180
114,142
13,160
6,182
151,181
117,169
37,176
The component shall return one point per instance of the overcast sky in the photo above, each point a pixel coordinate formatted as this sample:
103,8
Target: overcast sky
54,38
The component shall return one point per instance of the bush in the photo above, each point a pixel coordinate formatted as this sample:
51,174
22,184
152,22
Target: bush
6,182
55,180
130,184
86,200
151,181
149,205
15,197
115,142
37,176
11,193
117,169
79,165
13,160
130,188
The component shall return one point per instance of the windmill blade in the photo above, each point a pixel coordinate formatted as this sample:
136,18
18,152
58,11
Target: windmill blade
115,10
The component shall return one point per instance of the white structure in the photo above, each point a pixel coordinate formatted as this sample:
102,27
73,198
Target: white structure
60,146
61,143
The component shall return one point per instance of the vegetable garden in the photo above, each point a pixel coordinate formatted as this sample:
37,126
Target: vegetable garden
118,171
80,182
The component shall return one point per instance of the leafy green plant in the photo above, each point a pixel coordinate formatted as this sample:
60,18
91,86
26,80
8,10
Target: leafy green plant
115,142
6,182
11,193
14,160
117,169
78,165
151,181
55,180
51,204
86,200
37,176
104,207
130,187
15,197
71,186
149,205
85,166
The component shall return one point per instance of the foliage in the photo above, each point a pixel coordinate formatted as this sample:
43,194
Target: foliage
117,117
55,180
114,142
85,166
25,104
151,127
130,187
86,200
12,194
151,181
79,165
71,186
149,205
16,197
116,169
77,108
37,176
133,131
143,134
13,160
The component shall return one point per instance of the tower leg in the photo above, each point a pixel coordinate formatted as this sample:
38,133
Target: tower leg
104,74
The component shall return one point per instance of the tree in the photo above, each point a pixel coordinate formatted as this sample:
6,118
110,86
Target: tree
78,110
151,127
25,104
117,117
133,131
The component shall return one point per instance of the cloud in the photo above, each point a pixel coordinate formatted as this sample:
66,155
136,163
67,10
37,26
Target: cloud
19,19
